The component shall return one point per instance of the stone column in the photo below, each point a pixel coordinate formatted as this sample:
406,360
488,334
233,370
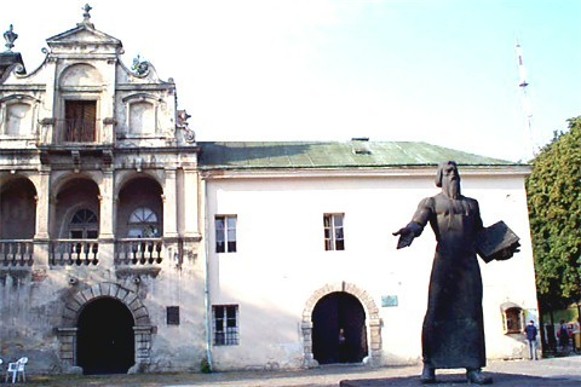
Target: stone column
42,222
142,348
68,343
170,225
42,205
106,217
106,221
375,341
190,203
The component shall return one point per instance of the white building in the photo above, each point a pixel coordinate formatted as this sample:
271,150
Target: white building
309,249
126,246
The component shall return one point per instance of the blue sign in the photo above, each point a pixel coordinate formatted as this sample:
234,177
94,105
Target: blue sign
387,301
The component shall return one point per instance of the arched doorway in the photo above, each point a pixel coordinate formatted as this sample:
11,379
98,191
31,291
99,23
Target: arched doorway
105,338
339,314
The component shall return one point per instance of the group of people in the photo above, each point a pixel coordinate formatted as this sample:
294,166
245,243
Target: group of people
564,336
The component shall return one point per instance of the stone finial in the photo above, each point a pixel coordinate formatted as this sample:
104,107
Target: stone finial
10,37
87,16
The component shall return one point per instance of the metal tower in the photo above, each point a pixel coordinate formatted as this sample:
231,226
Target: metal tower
523,84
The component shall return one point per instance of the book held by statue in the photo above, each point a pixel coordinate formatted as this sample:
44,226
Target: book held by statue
496,242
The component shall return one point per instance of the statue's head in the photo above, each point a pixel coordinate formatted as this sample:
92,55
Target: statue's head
448,178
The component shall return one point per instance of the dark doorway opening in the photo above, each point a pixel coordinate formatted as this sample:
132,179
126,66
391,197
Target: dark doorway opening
105,338
339,333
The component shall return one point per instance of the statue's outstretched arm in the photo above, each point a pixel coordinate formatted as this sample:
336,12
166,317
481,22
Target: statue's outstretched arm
407,234
416,226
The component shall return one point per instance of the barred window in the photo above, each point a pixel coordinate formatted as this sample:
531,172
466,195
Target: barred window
333,231
225,318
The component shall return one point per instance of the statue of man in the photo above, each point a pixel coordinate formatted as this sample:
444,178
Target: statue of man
453,330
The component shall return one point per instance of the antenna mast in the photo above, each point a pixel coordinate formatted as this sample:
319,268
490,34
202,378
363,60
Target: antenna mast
523,84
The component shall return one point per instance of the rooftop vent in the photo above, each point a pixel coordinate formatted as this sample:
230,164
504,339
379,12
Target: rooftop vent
361,145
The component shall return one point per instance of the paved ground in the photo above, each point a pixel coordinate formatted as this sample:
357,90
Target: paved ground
564,371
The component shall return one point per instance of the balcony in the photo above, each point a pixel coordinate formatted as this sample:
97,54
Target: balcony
16,252
138,251
73,252
127,254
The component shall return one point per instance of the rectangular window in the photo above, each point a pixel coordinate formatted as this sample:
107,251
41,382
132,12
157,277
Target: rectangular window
225,318
333,229
226,234
173,315
80,121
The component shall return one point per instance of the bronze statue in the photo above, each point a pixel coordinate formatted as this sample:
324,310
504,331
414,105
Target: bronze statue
453,330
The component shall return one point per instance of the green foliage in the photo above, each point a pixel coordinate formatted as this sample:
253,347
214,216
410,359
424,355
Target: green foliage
554,200
205,366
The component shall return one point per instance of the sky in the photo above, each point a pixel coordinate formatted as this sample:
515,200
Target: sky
443,72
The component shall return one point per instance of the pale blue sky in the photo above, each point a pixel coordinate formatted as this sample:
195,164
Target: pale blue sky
440,71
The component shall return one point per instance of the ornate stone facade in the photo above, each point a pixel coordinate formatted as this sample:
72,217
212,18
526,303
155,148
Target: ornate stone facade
93,170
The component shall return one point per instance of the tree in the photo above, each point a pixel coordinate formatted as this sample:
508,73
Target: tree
554,200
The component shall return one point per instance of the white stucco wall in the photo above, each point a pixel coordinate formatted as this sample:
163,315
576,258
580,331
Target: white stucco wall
280,260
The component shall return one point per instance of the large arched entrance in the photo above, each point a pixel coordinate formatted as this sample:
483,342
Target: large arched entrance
339,330
105,337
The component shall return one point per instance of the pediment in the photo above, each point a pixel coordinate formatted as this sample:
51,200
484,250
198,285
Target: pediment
82,34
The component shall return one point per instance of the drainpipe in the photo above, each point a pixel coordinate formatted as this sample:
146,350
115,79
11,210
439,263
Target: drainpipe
207,274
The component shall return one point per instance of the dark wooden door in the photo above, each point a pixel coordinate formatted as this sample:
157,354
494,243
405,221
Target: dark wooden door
332,313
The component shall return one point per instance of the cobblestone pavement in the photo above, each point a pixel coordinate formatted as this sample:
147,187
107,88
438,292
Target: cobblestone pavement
564,371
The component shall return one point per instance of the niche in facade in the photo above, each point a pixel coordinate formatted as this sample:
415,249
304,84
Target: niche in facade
17,116
141,114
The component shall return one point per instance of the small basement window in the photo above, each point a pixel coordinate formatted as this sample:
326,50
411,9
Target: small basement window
173,315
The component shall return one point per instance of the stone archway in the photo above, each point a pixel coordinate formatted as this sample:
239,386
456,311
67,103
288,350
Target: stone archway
67,333
105,339
373,321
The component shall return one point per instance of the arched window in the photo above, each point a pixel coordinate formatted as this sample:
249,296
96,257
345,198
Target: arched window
84,225
143,223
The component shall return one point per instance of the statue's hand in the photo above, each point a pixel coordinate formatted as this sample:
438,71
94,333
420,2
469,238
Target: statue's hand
406,236
508,253
401,231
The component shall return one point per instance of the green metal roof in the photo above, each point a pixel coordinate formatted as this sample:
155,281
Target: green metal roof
350,154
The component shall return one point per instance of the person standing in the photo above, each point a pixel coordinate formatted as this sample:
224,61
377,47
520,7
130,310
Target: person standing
563,335
531,333
342,346
453,328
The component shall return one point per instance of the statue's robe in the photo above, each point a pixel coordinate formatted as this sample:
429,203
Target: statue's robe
453,330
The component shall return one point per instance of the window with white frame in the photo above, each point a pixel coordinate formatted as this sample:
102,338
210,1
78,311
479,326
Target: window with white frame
225,324
333,229
225,233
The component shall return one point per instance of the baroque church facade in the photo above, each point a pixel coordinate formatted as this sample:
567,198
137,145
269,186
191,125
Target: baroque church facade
128,246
